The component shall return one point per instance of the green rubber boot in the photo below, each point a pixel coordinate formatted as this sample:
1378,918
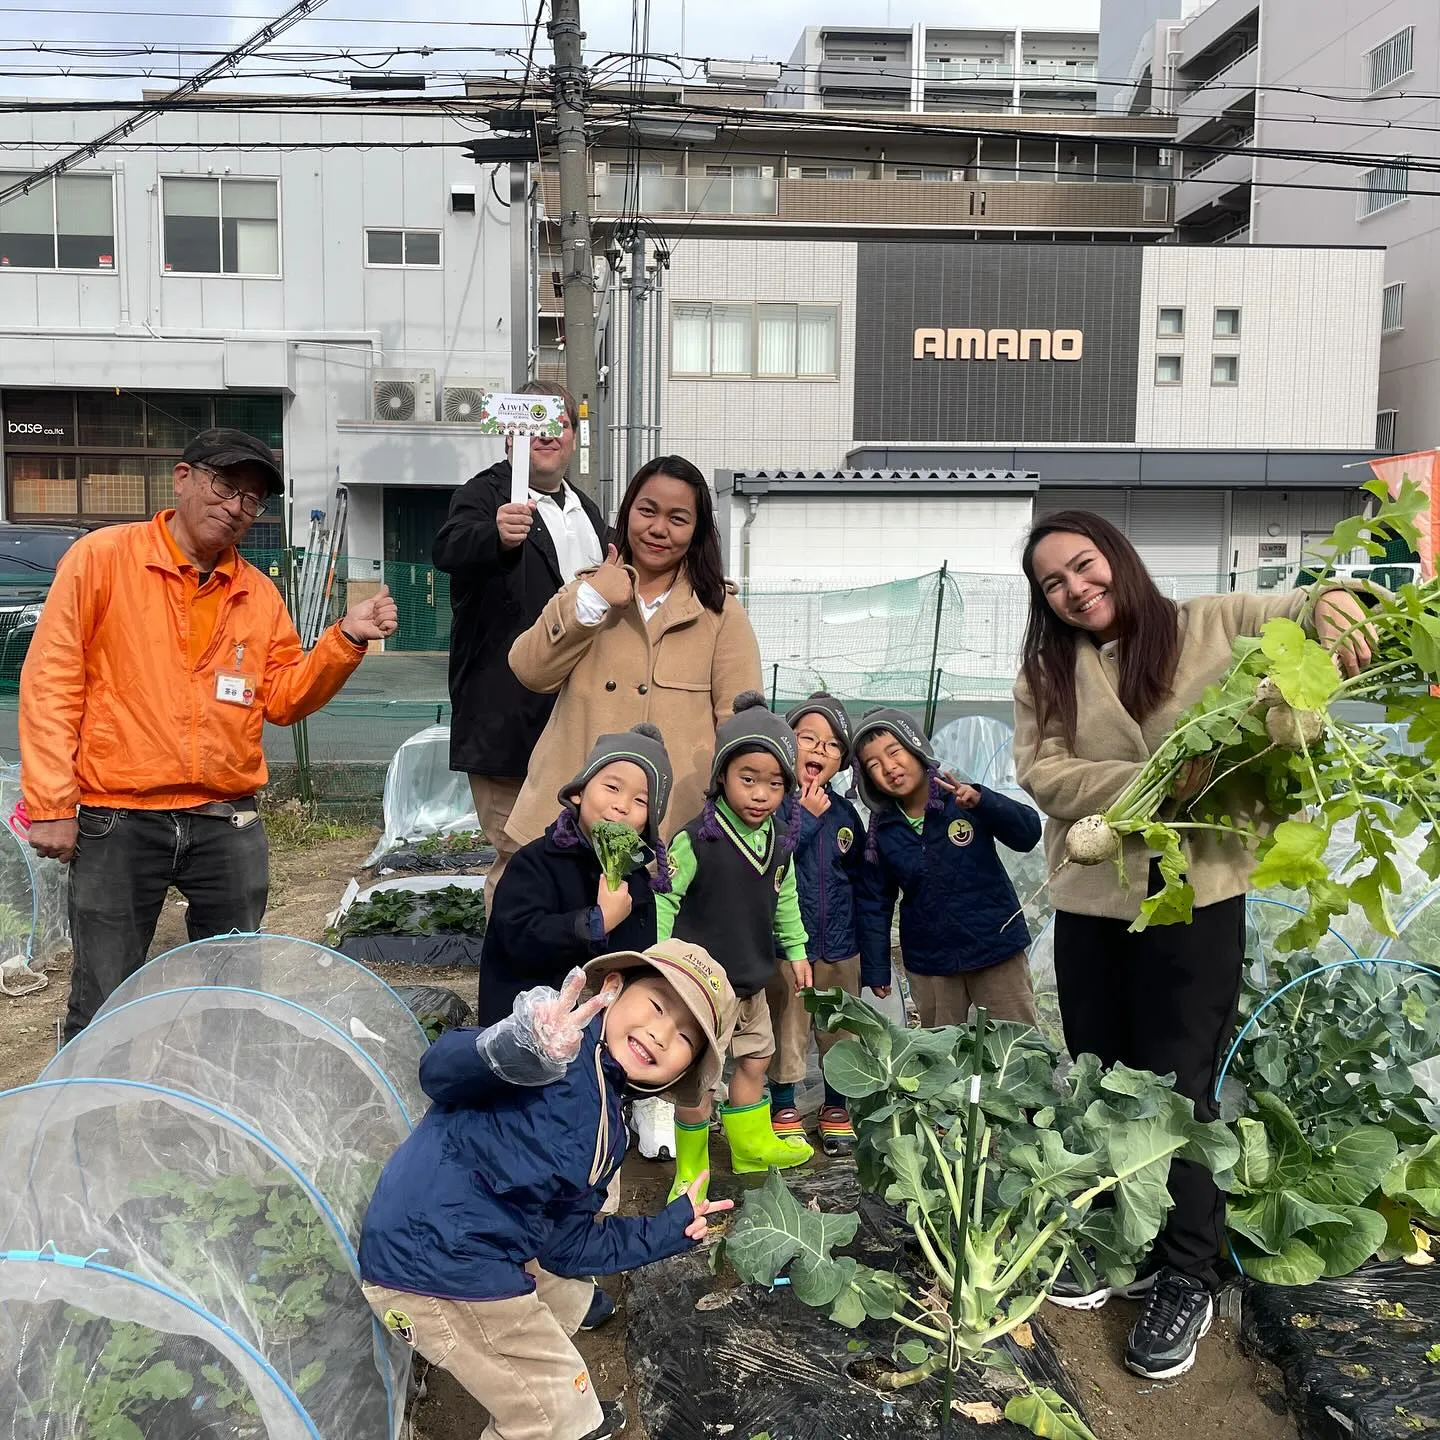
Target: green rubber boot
754,1145
692,1156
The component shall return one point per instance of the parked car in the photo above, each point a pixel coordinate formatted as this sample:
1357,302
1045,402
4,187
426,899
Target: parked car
28,557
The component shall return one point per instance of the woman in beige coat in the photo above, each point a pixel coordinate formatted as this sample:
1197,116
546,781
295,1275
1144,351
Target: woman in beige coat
1108,664
653,634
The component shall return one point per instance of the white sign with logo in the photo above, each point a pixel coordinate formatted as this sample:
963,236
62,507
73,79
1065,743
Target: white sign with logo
524,416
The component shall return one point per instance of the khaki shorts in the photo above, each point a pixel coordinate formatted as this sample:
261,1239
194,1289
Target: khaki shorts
754,1036
514,1356
792,1022
1003,989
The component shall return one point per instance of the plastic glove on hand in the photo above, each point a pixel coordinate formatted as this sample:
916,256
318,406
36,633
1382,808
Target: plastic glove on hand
541,1035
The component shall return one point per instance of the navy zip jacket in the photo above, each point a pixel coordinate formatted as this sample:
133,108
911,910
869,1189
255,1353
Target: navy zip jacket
546,922
496,1175
958,902
828,855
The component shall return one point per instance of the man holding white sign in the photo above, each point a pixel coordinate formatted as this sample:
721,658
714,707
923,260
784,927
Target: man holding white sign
504,567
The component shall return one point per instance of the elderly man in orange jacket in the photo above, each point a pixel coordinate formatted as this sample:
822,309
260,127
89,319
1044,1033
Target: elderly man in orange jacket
158,657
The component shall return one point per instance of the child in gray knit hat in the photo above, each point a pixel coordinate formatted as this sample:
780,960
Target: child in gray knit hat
734,892
554,908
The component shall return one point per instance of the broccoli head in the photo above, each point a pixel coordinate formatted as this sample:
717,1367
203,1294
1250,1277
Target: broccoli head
618,848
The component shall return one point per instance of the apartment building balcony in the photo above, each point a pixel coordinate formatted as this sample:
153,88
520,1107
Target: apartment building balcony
1213,184
982,69
1229,93
1059,72
1211,26
871,205
868,76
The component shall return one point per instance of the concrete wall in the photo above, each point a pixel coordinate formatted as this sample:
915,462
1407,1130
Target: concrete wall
1321,46
317,330
1308,348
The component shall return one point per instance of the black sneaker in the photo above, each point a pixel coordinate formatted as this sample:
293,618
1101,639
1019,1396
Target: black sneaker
612,1424
602,1308
1072,1292
1178,1312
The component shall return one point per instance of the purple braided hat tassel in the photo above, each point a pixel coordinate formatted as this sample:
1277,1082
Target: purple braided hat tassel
872,849
662,882
709,821
567,830
935,803
791,837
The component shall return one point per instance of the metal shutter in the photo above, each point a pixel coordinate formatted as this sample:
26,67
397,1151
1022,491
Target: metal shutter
1180,535
1109,504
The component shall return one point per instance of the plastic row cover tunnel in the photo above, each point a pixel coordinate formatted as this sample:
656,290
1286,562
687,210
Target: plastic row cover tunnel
184,1188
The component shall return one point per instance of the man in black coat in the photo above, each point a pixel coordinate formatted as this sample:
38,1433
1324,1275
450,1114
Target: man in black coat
505,562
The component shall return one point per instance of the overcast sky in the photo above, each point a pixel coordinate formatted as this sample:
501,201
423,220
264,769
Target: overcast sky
738,29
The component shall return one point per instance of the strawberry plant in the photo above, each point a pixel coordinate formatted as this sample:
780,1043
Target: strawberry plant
1275,742
1047,1150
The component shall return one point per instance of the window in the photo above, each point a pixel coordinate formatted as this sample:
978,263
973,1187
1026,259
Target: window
766,341
826,172
1225,370
1227,322
1384,186
1170,321
1167,369
221,226
402,247
64,224
921,172
98,455
1385,430
1391,59
1392,308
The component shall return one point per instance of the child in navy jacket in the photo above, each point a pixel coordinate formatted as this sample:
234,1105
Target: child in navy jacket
553,908
829,850
486,1217
932,841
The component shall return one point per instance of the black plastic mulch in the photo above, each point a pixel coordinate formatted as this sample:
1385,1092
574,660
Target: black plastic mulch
1353,1351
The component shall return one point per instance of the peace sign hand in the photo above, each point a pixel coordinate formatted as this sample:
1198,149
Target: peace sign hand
558,1021
699,1227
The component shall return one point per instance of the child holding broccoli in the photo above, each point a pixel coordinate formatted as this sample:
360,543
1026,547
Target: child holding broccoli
485,1219
734,892
582,888
829,850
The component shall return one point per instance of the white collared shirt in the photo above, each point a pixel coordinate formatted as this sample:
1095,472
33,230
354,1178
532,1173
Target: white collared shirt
591,607
577,547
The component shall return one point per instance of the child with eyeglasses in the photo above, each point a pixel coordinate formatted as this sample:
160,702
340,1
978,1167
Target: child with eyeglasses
829,849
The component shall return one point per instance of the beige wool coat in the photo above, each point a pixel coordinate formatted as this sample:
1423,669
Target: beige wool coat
681,672
1068,782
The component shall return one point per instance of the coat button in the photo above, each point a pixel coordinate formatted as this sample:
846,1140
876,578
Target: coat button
609,684
554,632
643,689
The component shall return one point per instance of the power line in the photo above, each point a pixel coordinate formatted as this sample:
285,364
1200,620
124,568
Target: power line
412,24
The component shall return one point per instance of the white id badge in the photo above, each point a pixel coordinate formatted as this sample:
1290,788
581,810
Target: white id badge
234,689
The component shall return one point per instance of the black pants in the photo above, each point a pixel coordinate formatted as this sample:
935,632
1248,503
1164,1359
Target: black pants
125,861
1161,1000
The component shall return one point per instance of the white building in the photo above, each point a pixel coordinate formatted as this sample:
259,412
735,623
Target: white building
328,299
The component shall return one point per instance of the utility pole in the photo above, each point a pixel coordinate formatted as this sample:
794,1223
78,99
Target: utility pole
577,264
635,427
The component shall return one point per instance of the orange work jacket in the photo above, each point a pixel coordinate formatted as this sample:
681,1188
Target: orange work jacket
112,710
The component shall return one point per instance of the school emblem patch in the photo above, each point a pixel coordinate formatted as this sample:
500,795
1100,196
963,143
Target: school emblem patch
399,1323
582,1382
844,839
961,832
779,878
713,981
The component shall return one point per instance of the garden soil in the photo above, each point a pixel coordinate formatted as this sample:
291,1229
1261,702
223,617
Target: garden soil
1226,1395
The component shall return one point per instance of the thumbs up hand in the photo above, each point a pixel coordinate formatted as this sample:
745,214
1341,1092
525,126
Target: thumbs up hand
374,619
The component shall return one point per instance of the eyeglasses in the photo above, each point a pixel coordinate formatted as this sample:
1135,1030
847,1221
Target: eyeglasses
251,504
814,742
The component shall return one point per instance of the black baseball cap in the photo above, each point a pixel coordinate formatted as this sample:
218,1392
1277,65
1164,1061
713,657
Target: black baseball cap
229,449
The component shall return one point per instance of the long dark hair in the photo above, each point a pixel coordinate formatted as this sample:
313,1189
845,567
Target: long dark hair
703,565
1146,619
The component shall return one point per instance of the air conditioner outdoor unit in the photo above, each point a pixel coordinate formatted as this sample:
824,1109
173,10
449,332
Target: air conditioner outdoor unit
460,399
397,396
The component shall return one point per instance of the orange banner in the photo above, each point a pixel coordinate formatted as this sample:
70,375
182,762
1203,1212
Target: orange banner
1422,468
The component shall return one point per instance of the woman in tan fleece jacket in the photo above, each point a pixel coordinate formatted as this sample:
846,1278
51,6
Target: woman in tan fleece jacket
1108,665
653,634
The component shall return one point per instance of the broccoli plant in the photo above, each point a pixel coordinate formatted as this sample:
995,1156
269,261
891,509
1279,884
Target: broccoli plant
1047,1150
618,848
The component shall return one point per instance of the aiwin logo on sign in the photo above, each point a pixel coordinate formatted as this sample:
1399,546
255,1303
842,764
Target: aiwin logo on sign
934,343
